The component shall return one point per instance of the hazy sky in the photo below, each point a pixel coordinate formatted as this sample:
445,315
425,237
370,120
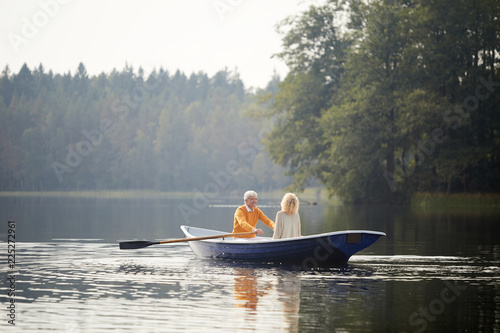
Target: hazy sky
190,35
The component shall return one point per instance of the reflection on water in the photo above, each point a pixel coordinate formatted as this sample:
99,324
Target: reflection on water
282,291
435,271
79,286
289,297
246,290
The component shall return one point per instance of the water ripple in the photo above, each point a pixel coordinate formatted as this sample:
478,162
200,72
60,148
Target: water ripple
78,286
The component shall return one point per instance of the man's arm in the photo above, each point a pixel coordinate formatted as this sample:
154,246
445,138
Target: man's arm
267,221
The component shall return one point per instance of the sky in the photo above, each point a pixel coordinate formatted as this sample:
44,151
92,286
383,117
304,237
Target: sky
189,35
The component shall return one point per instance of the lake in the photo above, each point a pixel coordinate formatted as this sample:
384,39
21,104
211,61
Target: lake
436,271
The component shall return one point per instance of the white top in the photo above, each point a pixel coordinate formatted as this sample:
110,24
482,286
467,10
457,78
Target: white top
286,226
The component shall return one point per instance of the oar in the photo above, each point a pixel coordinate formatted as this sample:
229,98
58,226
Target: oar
141,244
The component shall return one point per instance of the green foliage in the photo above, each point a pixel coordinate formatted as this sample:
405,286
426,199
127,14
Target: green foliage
315,55
126,131
385,98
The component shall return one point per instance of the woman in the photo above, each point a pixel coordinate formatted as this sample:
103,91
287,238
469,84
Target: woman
287,222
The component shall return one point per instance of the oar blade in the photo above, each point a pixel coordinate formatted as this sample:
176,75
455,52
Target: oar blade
135,245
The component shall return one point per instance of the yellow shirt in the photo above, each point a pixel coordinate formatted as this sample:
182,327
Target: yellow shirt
245,221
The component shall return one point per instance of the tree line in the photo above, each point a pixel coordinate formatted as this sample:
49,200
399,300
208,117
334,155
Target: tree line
123,130
388,97
383,98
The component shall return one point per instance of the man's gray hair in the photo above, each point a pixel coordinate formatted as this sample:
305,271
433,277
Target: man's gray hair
249,194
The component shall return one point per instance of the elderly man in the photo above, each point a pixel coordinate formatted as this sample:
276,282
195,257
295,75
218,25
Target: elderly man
246,216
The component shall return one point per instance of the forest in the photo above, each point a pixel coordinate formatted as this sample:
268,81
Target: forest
126,131
388,98
383,99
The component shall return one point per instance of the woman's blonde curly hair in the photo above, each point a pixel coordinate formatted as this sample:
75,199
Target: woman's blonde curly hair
290,204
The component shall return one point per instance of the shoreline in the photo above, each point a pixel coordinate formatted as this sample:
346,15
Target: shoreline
472,200
310,196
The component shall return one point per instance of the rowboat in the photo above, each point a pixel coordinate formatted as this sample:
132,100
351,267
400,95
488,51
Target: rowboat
330,249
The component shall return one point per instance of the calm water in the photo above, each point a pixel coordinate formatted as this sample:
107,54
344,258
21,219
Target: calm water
436,271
